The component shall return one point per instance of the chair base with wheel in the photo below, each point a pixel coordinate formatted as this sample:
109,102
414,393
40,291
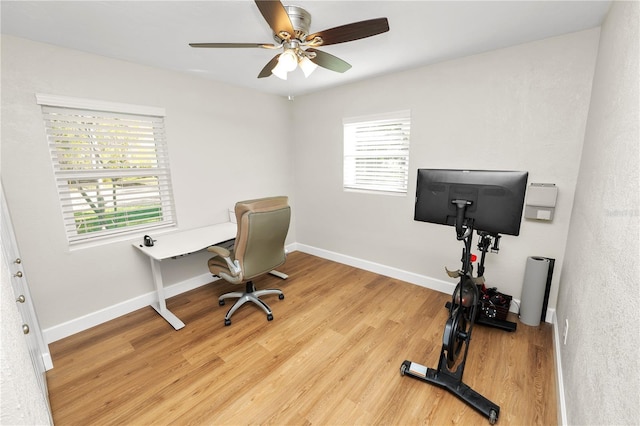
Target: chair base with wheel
249,295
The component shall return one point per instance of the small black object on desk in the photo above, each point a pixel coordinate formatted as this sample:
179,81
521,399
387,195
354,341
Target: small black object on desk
148,241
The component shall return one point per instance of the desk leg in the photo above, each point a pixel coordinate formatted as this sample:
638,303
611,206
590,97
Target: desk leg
161,305
279,274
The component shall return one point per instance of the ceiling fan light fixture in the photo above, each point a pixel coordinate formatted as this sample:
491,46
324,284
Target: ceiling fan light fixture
307,66
279,71
290,28
288,60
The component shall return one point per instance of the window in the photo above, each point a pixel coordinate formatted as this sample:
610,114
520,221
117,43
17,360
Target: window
111,166
376,153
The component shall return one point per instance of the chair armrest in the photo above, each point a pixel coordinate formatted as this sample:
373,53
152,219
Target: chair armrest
234,267
220,251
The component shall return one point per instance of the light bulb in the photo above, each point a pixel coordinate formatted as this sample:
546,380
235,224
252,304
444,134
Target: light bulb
307,66
288,60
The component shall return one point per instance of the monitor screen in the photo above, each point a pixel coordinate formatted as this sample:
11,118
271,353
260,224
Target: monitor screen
495,198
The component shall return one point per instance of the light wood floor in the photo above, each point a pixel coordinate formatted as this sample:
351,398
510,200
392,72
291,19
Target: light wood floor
331,356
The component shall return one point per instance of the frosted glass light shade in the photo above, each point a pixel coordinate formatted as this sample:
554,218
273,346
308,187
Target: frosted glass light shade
307,66
288,60
279,71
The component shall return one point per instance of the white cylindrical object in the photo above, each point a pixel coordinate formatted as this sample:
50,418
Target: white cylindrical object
533,289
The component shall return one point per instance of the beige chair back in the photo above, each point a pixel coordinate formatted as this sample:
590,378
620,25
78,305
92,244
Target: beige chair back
262,229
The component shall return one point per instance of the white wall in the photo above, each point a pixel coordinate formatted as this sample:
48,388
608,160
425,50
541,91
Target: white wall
519,108
225,144
599,286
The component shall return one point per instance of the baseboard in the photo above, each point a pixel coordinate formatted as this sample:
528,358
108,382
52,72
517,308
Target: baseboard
562,407
551,314
388,271
85,322
48,361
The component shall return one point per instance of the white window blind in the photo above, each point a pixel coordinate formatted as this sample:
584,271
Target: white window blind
111,168
376,152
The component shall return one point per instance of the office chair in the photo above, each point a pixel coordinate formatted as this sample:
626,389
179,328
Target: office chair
259,248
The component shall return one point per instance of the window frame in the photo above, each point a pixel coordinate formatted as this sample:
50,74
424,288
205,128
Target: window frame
388,178
145,144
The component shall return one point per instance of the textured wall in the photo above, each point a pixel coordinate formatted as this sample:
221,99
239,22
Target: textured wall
520,108
212,130
599,284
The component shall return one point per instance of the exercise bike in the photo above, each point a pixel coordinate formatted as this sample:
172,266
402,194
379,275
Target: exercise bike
488,311
463,310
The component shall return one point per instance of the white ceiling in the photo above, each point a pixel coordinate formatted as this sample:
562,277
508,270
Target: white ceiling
157,33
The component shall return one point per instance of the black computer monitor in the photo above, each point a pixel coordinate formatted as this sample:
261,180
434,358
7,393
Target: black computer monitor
495,198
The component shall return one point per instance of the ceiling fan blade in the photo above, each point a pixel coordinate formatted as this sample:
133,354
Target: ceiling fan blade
328,61
276,16
266,71
353,31
233,45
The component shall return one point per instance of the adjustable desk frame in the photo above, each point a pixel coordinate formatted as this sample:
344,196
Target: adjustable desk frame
176,244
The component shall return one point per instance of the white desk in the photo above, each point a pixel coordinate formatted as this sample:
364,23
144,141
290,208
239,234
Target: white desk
180,243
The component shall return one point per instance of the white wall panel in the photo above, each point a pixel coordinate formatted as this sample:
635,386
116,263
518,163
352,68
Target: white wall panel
519,108
225,144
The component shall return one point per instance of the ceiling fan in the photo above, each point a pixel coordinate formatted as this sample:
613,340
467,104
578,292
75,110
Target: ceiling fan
290,25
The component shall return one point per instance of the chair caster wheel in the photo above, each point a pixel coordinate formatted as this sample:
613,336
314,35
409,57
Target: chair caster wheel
227,322
269,317
221,302
281,296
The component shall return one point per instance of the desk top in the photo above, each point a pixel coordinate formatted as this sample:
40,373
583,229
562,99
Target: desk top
184,242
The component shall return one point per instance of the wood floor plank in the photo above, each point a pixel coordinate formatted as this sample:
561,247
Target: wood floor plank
331,355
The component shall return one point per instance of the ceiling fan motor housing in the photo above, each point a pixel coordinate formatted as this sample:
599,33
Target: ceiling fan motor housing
300,20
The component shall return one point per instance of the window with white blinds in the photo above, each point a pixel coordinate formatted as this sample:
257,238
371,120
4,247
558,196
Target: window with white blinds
111,166
376,152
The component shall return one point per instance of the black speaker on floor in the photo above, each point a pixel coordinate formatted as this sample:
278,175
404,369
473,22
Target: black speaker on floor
545,301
